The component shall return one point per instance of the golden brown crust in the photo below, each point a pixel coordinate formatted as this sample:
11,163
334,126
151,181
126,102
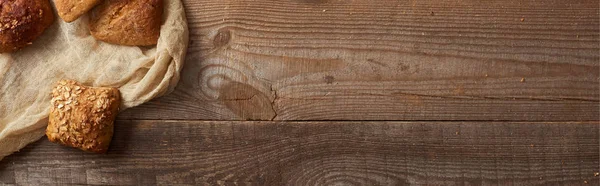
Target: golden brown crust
22,21
70,10
82,117
127,22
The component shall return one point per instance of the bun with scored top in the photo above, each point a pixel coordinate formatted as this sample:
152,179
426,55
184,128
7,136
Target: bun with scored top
127,22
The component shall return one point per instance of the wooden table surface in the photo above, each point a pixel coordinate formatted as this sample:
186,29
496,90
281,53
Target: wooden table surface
360,92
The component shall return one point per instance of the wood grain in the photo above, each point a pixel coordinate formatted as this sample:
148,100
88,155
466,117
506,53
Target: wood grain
446,67
321,153
387,60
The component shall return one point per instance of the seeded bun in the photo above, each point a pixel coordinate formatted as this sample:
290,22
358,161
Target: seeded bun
82,117
22,21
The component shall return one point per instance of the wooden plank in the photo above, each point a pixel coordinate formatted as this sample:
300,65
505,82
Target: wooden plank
321,153
518,60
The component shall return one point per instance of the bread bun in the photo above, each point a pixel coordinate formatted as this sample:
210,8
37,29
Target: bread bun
83,117
70,10
22,21
127,22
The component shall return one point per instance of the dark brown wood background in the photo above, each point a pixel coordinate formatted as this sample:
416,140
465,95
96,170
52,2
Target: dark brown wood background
360,92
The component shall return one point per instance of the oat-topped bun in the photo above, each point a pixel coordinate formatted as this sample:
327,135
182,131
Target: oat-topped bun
82,117
22,21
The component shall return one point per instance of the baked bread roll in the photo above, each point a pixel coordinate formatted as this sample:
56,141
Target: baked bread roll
82,117
70,10
127,22
22,21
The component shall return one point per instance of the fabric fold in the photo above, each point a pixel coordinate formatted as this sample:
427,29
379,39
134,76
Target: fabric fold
68,51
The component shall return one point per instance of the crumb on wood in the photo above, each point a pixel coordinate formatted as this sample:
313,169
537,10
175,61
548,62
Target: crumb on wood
432,13
597,174
522,80
486,75
324,10
457,133
585,182
522,19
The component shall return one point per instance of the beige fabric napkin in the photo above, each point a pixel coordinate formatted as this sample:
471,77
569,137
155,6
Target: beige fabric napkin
67,50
